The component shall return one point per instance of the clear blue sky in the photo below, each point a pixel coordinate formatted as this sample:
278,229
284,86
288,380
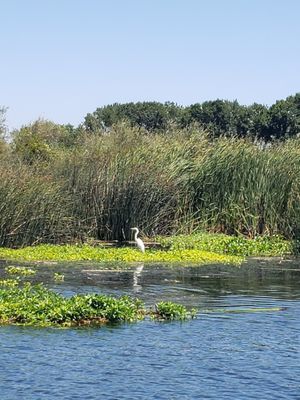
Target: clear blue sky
61,59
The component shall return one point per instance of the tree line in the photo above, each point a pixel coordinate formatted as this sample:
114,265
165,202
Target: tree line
217,117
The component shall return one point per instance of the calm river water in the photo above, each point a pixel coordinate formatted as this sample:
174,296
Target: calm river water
237,354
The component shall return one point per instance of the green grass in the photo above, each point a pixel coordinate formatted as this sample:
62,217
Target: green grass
90,253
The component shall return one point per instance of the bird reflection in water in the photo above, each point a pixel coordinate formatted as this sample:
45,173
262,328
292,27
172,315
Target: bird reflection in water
136,275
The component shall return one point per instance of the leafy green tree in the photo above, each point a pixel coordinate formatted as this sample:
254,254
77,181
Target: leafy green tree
220,117
151,116
285,118
258,120
217,117
39,140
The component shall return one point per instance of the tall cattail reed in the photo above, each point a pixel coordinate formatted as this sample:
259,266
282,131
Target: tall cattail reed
239,187
177,182
118,181
33,208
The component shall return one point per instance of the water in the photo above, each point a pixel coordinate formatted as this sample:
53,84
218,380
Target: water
220,355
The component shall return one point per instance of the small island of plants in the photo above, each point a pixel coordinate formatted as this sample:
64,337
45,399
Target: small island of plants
27,304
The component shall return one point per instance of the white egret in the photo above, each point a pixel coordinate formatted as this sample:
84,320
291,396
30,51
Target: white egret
138,241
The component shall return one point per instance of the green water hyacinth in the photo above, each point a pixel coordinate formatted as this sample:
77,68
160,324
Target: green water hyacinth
38,306
58,277
167,310
9,282
230,245
11,269
125,254
200,248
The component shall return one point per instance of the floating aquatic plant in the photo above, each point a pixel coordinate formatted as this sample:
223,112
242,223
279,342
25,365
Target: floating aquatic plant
58,277
33,304
39,306
125,254
11,269
168,310
9,282
229,245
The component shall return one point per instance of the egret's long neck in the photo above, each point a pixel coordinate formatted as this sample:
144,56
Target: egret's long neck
135,234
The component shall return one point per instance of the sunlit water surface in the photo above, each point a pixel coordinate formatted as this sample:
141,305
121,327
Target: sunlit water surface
228,352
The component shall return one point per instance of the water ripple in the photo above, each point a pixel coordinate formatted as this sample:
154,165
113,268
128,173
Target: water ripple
245,355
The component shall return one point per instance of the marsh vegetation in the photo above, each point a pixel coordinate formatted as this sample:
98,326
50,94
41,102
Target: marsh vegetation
201,248
215,167
180,182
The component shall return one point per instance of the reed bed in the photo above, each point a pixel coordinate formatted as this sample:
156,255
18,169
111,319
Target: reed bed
239,187
118,182
32,208
179,182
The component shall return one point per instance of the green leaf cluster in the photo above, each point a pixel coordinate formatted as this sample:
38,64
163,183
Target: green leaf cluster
171,311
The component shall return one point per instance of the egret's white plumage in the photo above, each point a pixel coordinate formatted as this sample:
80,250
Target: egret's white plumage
138,241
